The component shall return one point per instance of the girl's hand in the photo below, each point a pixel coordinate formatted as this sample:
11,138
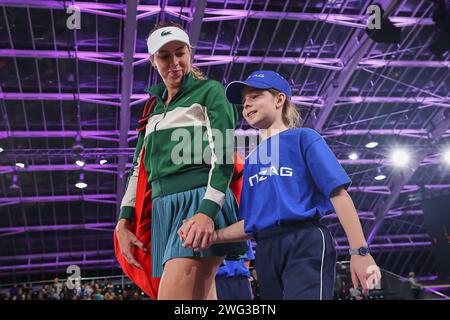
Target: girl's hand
213,239
364,270
197,232
126,240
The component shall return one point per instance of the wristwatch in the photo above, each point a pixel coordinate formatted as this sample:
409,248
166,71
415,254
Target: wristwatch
362,251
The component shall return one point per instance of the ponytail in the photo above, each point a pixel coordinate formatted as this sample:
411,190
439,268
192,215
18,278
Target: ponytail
290,115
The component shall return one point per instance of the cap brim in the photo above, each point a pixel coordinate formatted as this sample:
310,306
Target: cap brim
162,44
233,91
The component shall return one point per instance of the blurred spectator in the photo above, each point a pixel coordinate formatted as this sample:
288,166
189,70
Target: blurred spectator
97,295
13,292
416,287
126,295
109,286
20,295
25,290
136,296
54,295
44,293
80,291
57,285
109,295
88,290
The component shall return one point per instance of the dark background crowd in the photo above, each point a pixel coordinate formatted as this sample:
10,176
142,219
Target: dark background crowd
86,290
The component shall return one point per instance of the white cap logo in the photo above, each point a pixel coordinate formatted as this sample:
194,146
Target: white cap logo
165,35
257,76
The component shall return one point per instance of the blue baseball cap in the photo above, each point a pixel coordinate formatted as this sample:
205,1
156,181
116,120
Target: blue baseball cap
263,79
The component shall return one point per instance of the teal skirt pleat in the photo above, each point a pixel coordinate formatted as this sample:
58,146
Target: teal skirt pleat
168,214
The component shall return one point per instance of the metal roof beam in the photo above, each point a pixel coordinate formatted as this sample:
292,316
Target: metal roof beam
126,92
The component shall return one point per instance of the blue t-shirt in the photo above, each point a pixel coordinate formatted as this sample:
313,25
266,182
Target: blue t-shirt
234,268
290,176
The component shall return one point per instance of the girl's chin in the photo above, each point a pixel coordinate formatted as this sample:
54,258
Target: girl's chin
255,124
259,124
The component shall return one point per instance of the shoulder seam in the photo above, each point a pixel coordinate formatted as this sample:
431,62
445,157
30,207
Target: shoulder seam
307,148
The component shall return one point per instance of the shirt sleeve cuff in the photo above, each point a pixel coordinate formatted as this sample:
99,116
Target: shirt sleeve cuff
127,213
345,183
208,207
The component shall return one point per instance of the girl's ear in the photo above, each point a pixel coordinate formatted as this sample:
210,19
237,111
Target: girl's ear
280,99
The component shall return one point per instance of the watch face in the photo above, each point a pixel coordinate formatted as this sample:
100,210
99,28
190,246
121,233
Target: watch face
363,251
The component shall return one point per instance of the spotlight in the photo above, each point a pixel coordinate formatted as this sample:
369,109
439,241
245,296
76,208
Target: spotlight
371,145
1,149
446,157
20,165
103,161
80,162
353,156
81,184
380,176
400,158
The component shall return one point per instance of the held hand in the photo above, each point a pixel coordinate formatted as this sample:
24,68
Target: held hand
126,240
197,232
184,229
364,270
212,241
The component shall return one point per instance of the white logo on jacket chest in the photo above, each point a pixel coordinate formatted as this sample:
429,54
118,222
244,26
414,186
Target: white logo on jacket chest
177,118
268,172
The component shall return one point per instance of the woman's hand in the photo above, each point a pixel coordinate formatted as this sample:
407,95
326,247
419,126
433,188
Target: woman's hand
184,229
365,271
197,232
126,240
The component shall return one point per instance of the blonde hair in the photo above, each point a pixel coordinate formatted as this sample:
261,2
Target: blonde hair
198,74
290,115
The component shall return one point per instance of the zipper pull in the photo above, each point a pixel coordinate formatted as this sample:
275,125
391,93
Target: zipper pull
165,111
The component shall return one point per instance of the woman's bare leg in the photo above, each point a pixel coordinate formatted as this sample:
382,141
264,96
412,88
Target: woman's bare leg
189,278
212,295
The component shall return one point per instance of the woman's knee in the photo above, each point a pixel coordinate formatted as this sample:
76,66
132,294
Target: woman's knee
182,269
189,278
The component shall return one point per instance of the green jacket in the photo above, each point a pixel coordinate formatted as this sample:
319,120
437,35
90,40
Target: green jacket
188,144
